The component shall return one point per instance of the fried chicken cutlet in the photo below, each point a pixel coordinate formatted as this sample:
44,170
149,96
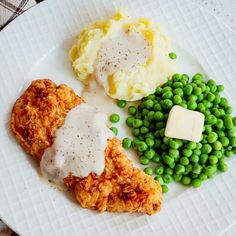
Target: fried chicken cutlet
39,112
36,116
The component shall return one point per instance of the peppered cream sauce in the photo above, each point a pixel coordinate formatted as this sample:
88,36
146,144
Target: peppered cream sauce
79,145
127,50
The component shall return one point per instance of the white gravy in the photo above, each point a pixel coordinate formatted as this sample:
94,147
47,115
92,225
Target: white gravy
127,50
79,145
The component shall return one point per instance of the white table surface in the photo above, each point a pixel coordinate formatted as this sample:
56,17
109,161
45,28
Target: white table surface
226,11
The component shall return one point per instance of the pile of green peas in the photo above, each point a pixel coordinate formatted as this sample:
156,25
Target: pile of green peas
183,161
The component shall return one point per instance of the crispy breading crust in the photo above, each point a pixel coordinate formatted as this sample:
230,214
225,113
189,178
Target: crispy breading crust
39,112
34,119
120,188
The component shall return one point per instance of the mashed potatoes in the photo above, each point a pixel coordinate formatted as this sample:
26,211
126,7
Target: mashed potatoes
129,58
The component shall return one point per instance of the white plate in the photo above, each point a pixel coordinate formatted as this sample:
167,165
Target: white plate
35,45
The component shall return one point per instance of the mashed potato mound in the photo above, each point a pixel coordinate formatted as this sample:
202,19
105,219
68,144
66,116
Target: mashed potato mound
127,84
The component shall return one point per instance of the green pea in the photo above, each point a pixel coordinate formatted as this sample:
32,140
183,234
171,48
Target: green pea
197,152
137,123
192,97
157,107
132,110
203,158
145,112
211,120
231,132
168,160
148,104
188,168
177,85
173,144
219,124
173,153
159,170
183,105
203,177
177,177
184,161
159,179
149,153
149,142
166,88
220,88
218,154
164,188
213,159
196,183
156,158
186,180
212,137
162,132
160,125
194,158
187,152
177,100
151,96
228,110
228,122
232,141
166,104
144,130
201,107
228,153
202,86
148,170
178,91
217,145
191,145
144,161
206,149
167,179
185,77
197,76
168,171
196,168
150,115
142,146
126,143
207,129
224,141
114,130
209,171
197,91
158,115
167,95
146,123
157,143
176,77
179,169
223,102
207,104
121,103
222,167
188,89
114,118
234,150
192,105
210,97
172,55
158,91
234,121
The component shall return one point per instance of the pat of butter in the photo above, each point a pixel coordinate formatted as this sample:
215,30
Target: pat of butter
184,124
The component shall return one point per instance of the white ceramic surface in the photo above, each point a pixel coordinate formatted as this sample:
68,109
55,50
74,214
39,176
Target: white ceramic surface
35,46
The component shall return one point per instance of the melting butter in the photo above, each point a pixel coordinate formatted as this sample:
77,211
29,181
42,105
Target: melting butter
79,145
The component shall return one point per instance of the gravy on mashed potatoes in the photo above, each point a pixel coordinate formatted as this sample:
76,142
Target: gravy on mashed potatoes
128,58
